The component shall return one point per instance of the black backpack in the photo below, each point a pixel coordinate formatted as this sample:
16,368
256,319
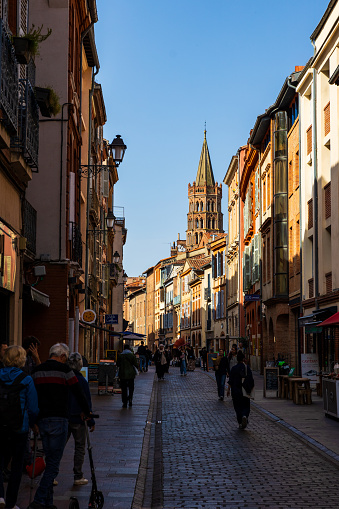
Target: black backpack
11,415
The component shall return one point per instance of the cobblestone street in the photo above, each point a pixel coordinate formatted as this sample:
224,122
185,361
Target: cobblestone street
209,463
180,447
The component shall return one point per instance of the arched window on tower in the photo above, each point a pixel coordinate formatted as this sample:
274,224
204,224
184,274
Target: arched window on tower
212,208
201,206
209,223
213,224
196,238
200,237
197,223
197,206
208,206
201,223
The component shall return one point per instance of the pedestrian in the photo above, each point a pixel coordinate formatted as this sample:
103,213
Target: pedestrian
148,357
183,361
76,425
142,352
168,358
203,355
160,361
53,380
232,357
14,427
241,403
31,345
190,359
221,370
128,368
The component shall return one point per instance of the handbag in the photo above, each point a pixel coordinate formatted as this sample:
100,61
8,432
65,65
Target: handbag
246,394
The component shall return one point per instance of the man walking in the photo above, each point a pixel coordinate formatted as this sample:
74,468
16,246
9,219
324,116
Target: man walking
142,352
128,366
53,379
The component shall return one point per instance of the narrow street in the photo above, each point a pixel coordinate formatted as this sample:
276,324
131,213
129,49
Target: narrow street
180,447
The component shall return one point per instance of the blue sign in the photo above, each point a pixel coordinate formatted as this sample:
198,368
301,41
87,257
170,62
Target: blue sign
111,319
252,297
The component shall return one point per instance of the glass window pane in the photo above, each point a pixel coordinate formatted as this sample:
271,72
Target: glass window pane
280,144
280,207
281,284
280,234
281,180
280,121
281,260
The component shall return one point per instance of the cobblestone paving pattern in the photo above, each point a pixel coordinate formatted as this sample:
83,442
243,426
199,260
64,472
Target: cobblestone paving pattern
209,463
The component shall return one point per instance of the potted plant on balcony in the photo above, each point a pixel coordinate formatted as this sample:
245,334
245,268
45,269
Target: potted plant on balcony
48,101
27,46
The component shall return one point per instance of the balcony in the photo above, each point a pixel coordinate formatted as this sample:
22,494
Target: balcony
8,82
27,138
76,244
29,226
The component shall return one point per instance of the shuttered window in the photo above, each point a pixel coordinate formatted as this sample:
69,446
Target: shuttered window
291,257
309,140
311,288
310,213
327,124
297,248
328,282
327,196
268,259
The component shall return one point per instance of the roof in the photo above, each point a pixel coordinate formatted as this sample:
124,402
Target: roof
197,263
205,173
323,20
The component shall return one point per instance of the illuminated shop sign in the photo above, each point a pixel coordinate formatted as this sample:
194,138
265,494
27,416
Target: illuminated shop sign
7,257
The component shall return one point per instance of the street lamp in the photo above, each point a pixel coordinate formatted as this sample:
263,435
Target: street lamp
118,149
110,218
116,257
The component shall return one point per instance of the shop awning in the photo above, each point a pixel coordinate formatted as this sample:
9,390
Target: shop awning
317,317
332,320
39,297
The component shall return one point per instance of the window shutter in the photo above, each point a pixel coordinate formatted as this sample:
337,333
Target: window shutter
310,213
213,268
327,190
105,183
327,123
219,263
23,19
222,304
309,140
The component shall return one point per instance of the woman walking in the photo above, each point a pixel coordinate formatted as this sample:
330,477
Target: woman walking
183,361
160,361
221,370
241,403
15,425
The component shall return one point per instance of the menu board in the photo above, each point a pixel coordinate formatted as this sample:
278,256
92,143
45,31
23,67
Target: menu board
93,371
271,382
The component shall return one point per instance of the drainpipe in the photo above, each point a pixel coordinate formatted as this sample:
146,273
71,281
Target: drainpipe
299,330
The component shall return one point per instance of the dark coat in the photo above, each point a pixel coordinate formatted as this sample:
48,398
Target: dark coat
237,375
73,405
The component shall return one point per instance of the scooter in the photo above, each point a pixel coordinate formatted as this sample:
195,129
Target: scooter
96,499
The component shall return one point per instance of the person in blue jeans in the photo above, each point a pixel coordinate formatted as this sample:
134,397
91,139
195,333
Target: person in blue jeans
221,370
53,380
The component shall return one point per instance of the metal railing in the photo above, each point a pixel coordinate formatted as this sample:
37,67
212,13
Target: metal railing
76,244
27,139
9,81
29,226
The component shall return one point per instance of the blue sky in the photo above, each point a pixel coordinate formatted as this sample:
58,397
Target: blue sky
166,67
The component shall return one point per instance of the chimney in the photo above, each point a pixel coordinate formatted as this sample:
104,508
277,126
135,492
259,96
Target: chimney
178,236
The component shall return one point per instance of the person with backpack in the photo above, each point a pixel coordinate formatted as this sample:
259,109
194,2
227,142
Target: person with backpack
18,411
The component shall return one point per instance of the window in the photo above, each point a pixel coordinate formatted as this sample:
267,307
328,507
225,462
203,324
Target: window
327,197
328,282
309,140
311,288
327,123
310,213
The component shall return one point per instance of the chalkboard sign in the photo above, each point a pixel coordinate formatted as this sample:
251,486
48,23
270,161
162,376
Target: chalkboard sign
111,355
271,381
107,372
93,372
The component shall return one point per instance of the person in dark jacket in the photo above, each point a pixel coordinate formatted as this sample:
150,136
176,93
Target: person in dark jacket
142,352
241,403
76,425
128,366
221,370
160,361
12,441
53,380
203,355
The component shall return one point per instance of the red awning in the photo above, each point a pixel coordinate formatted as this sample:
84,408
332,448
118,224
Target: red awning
332,320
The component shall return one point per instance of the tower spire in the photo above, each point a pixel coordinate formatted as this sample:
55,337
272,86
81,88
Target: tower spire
205,173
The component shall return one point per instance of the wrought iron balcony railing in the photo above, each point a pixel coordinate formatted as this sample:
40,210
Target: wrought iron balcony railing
76,244
29,226
8,81
27,139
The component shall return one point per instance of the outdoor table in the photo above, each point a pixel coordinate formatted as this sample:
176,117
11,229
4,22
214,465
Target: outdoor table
283,386
301,384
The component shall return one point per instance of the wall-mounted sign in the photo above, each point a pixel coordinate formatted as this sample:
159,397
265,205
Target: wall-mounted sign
89,316
252,297
7,257
111,319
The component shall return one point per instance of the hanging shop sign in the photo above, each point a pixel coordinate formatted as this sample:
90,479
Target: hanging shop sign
89,316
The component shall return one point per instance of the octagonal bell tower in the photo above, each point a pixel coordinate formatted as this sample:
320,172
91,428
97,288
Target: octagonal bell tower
204,198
